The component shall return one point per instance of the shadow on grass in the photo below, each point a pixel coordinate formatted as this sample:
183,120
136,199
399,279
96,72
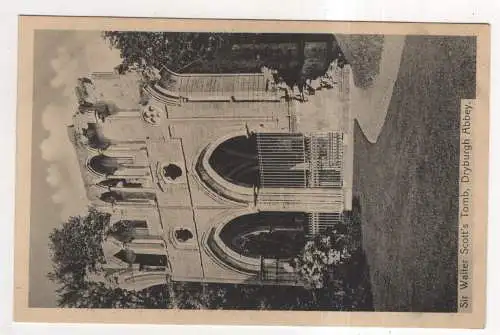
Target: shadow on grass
356,274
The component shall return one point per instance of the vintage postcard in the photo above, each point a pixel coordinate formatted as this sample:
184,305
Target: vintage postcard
251,172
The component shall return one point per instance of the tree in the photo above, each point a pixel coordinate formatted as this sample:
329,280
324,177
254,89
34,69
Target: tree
190,295
77,258
98,295
150,52
142,51
76,247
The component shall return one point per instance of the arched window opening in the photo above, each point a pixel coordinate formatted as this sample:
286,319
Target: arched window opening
127,230
111,197
120,182
278,235
126,255
144,260
236,161
116,196
107,166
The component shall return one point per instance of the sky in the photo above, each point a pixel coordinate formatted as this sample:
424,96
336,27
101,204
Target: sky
57,188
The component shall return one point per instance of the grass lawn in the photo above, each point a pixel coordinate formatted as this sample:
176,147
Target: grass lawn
408,180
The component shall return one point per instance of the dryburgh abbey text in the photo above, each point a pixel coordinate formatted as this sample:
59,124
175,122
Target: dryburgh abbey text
465,229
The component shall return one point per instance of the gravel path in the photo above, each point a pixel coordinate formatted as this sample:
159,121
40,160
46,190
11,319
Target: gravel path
374,81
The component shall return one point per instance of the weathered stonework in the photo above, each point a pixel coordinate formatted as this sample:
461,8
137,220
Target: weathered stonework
146,155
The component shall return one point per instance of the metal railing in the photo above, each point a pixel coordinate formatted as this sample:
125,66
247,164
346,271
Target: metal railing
325,153
321,222
296,160
282,160
277,271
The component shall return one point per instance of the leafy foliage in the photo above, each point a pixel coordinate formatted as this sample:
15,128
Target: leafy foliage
345,280
151,52
143,50
98,295
122,231
316,264
76,247
198,295
76,252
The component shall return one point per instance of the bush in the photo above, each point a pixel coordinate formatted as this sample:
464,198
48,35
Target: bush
317,263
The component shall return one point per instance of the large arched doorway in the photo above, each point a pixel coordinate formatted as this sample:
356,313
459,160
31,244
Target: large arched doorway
275,235
236,161
263,160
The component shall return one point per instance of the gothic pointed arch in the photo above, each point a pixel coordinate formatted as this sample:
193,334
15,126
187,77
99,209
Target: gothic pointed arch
228,167
245,241
120,182
105,165
236,160
276,235
116,196
240,164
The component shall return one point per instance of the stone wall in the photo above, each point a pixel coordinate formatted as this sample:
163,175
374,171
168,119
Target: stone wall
179,136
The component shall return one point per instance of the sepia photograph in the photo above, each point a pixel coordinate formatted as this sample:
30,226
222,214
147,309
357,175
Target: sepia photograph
254,170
